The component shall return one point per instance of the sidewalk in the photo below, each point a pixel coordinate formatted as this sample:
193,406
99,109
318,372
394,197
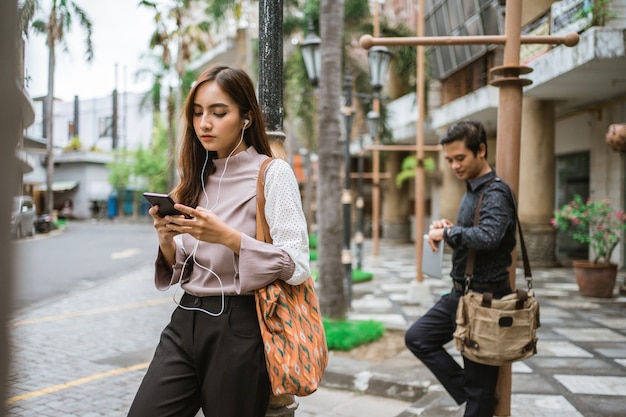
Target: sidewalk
85,354
580,369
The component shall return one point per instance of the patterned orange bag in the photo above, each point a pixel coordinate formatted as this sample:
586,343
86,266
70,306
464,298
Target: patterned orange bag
296,353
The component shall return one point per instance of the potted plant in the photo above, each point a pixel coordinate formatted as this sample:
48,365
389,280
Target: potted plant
616,137
596,223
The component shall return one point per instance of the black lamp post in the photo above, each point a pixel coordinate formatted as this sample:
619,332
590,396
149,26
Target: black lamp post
373,125
378,57
358,236
311,54
346,196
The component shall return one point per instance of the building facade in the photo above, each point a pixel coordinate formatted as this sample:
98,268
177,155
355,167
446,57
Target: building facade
575,95
85,137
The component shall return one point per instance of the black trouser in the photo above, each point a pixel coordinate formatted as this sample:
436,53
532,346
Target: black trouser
213,363
475,383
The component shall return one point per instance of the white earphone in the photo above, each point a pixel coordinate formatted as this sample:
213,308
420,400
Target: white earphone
245,122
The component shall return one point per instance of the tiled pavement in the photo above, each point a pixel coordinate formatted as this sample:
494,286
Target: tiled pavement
84,355
580,368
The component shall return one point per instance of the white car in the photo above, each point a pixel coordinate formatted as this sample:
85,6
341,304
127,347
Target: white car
23,216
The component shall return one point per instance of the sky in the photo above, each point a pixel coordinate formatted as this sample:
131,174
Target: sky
121,33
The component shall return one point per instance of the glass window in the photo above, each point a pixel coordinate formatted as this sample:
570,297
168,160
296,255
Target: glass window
441,19
469,8
105,127
460,51
483,3
474,28
436,62
446,58
490,20
430,28
456,18
429,6
572,173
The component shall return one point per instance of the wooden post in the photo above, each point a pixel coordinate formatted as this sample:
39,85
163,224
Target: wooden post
376,157
508,149
509,122
420,181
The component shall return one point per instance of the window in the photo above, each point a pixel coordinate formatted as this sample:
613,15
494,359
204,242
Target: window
490,20
464,18
469,8
105,127
572,173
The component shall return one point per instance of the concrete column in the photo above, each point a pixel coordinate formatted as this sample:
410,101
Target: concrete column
395,203
536,183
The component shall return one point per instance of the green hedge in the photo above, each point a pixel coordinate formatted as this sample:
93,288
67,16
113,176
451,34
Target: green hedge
348,334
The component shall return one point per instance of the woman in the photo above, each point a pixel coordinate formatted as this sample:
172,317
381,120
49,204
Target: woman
210,355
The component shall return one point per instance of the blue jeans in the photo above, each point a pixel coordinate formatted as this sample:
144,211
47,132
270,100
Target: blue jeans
474,383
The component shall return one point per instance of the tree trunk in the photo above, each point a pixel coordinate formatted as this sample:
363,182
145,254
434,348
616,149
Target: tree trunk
333,300
48,127
171,140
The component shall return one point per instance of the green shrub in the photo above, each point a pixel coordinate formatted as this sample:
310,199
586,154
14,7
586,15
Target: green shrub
358,275
348,334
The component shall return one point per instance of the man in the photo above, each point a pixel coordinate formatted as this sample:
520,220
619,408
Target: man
493,239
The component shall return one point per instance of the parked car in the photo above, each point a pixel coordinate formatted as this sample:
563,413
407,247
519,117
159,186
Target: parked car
23,216
44,223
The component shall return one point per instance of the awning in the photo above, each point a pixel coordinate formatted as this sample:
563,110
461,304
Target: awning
58,186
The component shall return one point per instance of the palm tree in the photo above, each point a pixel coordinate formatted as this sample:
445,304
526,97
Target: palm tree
333,300
54,27
180,32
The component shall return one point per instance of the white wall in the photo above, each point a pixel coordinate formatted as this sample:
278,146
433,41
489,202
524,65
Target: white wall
572,134
134,125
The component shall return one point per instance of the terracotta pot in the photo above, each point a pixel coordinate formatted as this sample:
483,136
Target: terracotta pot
595,280
616,137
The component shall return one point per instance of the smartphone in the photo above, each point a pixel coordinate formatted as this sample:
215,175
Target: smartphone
165,203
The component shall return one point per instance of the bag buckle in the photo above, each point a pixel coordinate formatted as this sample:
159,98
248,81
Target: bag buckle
468,282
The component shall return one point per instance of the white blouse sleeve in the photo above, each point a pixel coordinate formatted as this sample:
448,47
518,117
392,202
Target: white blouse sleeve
283,211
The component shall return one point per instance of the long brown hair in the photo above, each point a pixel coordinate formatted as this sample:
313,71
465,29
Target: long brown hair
238,85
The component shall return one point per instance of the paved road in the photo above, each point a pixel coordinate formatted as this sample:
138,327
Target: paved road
82,350
51,265
89,320
84,354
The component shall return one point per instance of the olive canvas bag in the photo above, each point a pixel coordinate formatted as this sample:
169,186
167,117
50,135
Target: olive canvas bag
497,331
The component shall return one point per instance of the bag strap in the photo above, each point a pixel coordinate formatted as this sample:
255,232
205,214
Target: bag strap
471,257
262,228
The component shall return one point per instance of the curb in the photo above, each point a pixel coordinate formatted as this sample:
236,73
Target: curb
400,377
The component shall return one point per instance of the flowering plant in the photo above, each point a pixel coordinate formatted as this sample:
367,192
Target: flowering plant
594,222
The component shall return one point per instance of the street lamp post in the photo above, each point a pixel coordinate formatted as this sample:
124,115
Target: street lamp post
378,59
311,54
373,124
346,197
358,236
